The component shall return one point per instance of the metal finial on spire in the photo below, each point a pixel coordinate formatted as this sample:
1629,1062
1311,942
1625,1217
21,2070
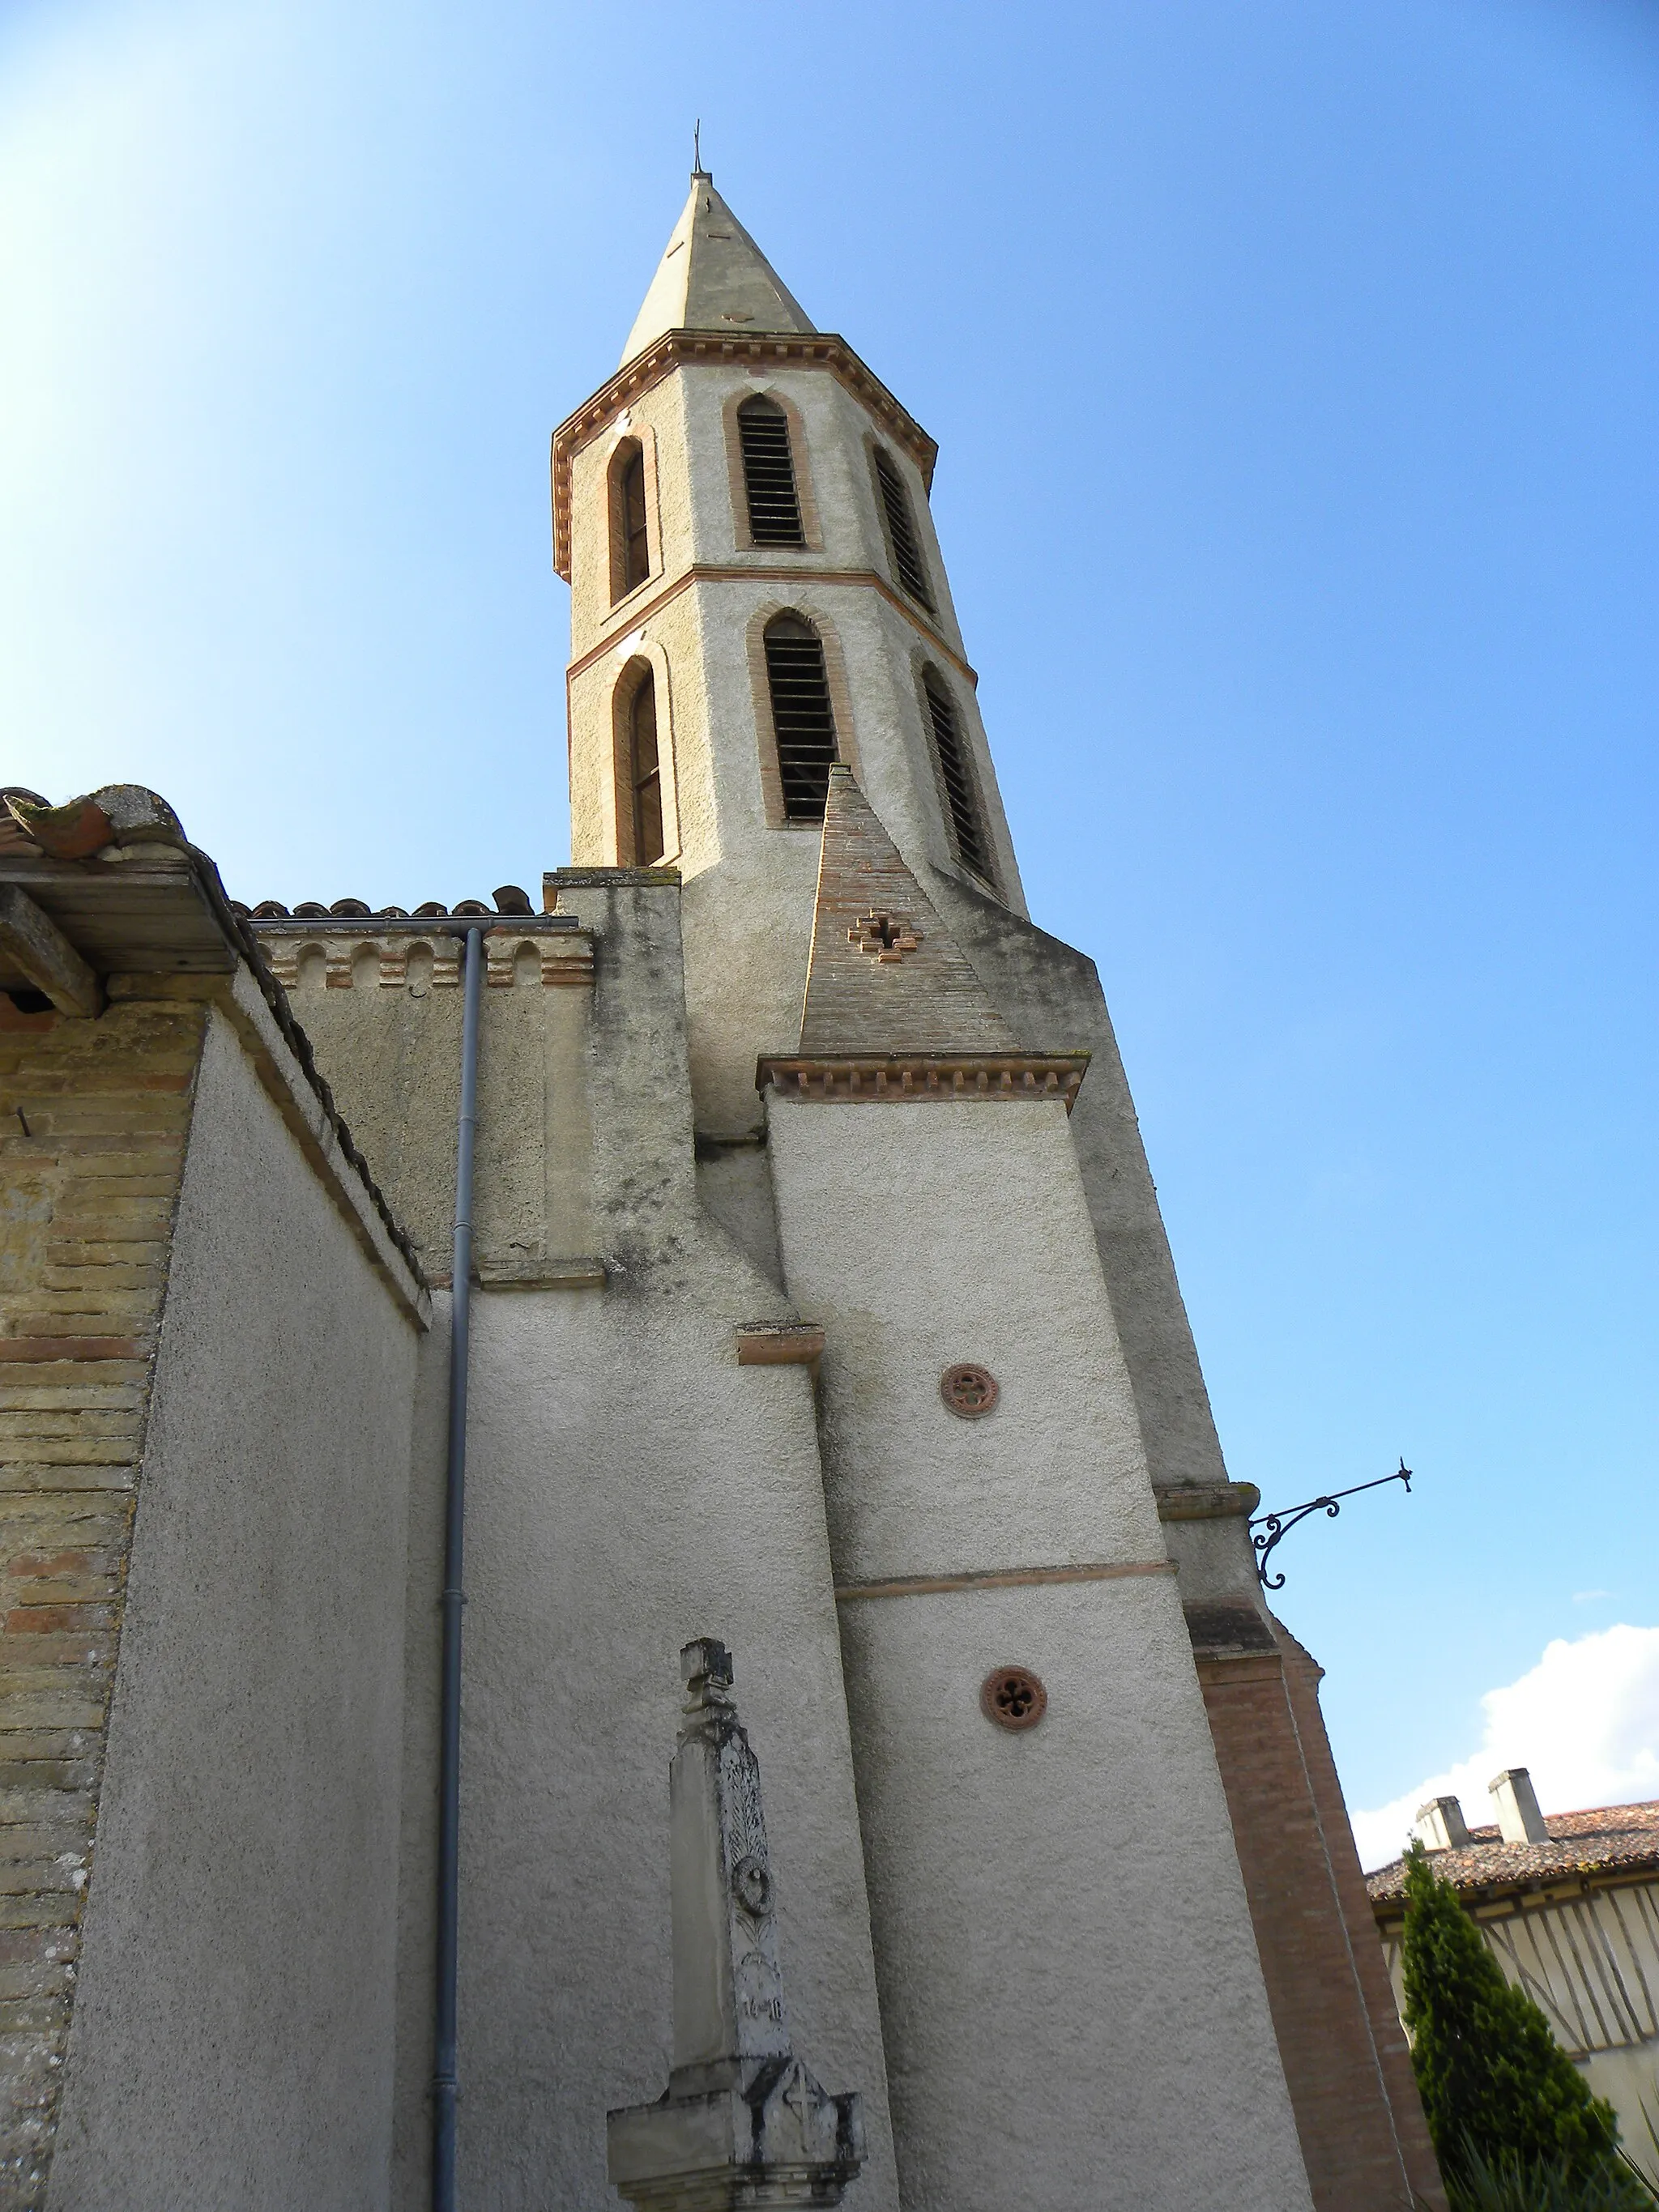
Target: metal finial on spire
697,147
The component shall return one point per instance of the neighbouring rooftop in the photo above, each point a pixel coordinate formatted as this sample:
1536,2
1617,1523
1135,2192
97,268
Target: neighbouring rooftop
1609,1838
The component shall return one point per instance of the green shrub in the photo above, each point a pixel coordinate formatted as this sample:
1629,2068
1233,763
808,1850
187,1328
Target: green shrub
1502,2099
1513,2185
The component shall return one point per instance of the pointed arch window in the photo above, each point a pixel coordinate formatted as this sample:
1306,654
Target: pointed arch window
902,530
769,474
803,719
957,779
645,772
630,540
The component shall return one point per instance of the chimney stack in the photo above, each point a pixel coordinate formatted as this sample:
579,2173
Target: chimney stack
1519,1819
1440,1826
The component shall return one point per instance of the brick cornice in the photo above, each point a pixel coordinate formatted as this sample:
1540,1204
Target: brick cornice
1229,1630
716,572
1217,1671
675,350
908,1078
780,1344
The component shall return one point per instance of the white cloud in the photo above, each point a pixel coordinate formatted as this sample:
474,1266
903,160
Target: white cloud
1585,1720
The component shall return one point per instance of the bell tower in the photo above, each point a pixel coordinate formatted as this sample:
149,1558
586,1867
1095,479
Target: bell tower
757,594
910,1112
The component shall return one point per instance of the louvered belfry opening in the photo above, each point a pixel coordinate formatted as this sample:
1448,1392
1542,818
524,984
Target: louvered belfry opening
803,721
957,775
632,564
900,531
645,772
769,474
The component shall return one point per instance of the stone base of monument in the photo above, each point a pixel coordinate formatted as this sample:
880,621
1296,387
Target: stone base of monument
743,2124
778,2140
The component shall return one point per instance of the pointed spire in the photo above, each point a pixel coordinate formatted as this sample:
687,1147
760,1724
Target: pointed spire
885,975
713,276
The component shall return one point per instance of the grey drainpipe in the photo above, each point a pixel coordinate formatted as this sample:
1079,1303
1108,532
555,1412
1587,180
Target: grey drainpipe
444,2086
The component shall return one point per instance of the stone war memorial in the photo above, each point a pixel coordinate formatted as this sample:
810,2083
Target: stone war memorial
432,1339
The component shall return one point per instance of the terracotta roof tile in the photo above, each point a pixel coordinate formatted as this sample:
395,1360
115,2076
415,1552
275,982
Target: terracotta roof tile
1580,1843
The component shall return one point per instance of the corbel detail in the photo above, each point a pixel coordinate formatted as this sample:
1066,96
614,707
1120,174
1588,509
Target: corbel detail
906,1078
1205,1501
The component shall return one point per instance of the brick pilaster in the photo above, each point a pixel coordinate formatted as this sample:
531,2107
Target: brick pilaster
1358,2114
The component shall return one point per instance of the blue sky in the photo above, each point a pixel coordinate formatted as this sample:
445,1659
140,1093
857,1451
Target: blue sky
1293,368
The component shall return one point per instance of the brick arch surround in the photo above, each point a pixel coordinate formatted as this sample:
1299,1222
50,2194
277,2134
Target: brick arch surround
840,704
639,438
800,456
921,665
648,657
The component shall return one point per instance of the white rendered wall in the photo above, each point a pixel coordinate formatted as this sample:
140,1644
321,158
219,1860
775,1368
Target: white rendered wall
1072,2000
631,1486
233,2036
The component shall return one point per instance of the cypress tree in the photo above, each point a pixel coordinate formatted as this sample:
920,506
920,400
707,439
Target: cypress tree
1493,2079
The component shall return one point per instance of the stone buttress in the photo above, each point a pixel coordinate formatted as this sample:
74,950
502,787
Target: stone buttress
1069,1982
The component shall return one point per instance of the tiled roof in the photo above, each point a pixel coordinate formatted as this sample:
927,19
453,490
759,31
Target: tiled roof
509,900
60,849
1612,1836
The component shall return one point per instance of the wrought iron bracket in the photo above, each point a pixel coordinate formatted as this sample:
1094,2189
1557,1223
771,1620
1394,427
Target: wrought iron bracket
1268,1530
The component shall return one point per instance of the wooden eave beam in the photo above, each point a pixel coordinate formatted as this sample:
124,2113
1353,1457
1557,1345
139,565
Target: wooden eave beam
34,942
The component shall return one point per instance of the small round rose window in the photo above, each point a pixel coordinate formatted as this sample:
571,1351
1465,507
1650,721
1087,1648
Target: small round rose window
970,1392
1013,1698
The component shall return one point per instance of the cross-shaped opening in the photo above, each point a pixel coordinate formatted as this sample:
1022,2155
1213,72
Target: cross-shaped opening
888,936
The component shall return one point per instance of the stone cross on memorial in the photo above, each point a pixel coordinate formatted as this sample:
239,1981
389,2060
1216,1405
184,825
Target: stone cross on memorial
743,2122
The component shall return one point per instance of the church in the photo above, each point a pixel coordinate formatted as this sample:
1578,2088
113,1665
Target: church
451,1358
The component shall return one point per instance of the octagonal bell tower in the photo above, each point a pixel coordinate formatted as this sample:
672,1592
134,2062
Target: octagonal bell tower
757,592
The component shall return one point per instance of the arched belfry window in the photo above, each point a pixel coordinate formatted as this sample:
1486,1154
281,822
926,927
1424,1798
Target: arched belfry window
902,530
630,541
803,721
769,474
956,775
645,772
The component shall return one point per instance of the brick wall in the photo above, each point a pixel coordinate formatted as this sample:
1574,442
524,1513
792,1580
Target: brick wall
1302,1675
1361,2124
93,1122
